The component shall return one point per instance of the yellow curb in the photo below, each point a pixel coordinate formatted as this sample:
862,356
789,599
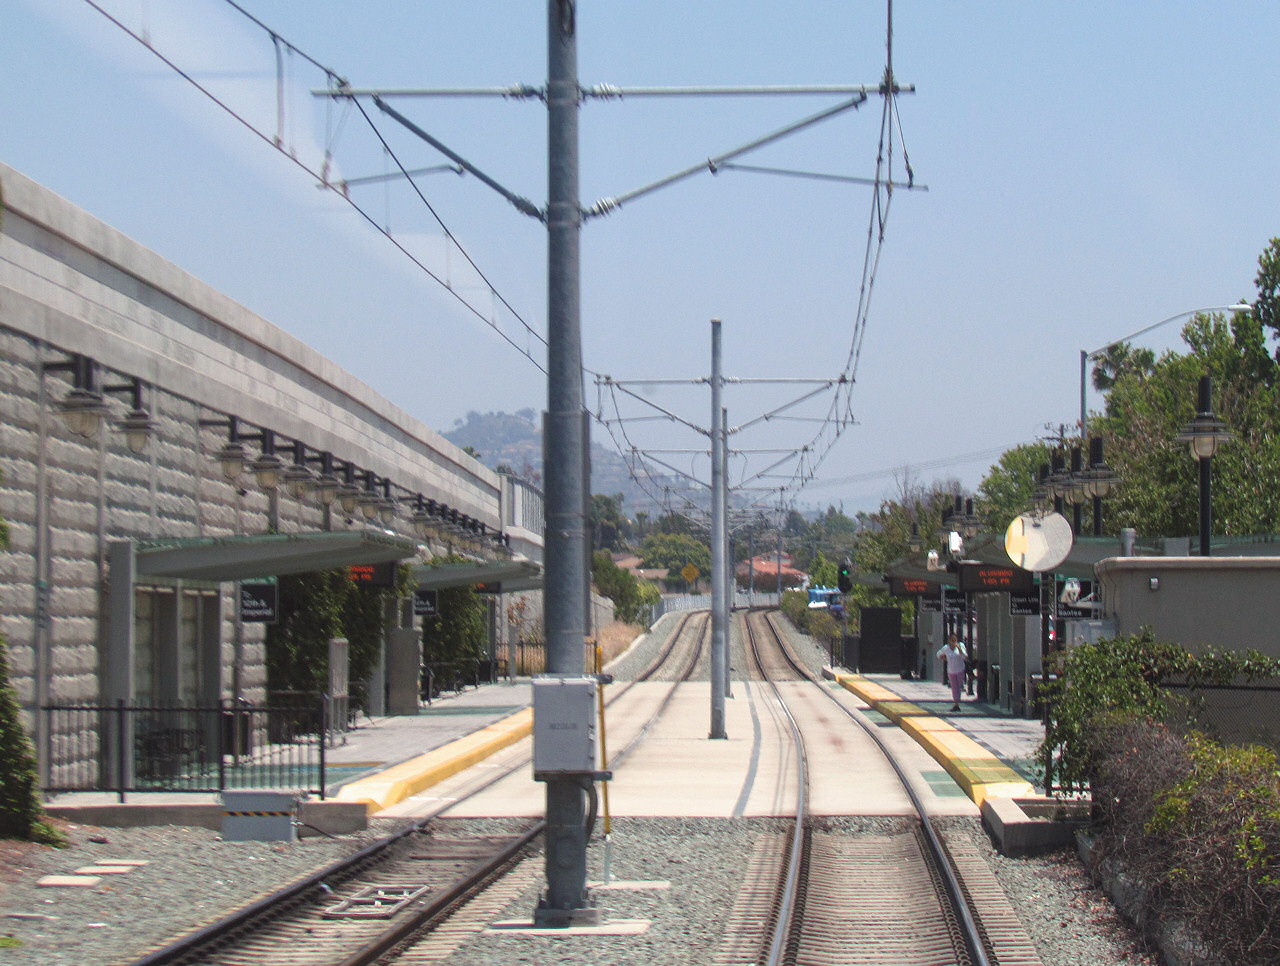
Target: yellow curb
410,777
980,774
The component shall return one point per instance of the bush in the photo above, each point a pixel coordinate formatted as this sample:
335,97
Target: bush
1123,678
1198,824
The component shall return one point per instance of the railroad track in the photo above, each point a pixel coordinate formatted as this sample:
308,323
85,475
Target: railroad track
380,901
822,894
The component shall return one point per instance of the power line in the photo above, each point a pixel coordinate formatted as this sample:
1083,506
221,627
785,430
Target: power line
276,141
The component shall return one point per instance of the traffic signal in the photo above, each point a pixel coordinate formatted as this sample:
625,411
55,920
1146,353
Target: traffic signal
845,580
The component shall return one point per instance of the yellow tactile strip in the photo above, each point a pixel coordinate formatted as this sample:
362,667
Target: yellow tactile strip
977,771
410,777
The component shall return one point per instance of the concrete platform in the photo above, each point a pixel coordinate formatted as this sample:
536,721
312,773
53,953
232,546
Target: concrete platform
414,763
382,760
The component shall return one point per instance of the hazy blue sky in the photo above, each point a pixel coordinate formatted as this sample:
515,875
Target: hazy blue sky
1092,168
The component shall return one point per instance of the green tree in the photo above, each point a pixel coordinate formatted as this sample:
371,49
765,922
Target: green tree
610,529
21,816
672,551
1159,484
619,585
1267,307
1006,491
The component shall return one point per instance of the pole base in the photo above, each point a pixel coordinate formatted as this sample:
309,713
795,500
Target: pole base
547,917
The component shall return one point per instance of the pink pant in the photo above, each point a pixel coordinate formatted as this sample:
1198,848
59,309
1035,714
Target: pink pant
957,683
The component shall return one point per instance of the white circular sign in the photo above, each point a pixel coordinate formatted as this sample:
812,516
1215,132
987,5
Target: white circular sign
1039,543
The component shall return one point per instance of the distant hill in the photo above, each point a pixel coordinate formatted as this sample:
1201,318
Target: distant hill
514,440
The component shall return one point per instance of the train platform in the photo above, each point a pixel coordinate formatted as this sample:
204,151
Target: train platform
385,761
1011,739
377,762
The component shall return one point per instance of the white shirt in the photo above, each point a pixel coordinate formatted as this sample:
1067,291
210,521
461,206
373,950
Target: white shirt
955,658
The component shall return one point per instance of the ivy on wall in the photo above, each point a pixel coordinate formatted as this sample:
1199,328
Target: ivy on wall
454,639
318,606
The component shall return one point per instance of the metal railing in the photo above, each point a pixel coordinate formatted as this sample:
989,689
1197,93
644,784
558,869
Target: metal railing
129,748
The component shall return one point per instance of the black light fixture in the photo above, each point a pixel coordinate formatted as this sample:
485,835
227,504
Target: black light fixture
83,408
137,425
387,504
326,485
268,468
423,518
914,542
1204,434
298,478
1099,480
233,456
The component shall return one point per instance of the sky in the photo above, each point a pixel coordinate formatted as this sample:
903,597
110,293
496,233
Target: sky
1091,168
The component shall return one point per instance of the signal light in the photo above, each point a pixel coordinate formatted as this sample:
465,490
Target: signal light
845,580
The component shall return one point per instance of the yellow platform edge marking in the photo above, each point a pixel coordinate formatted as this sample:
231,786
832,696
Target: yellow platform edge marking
980,774
410,777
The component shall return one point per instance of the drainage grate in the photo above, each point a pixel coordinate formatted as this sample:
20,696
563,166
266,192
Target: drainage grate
376,902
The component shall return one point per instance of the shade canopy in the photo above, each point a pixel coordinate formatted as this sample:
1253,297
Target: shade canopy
267,554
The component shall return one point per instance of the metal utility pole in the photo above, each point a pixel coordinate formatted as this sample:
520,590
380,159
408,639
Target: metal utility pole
719,615
566,901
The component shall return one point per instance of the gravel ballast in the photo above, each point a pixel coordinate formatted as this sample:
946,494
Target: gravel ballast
192,877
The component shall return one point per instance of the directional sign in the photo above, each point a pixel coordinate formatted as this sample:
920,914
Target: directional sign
259,601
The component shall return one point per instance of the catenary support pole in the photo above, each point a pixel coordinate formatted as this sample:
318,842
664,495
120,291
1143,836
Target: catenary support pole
565,902
719,614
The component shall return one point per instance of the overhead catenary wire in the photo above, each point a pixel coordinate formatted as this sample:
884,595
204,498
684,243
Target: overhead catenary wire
322,176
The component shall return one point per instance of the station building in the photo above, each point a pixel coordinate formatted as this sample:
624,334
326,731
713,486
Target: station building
160,444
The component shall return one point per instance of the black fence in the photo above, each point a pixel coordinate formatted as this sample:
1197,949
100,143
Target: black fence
234,745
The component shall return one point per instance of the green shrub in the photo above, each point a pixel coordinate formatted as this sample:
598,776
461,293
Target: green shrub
1121,678
21,815
1198,824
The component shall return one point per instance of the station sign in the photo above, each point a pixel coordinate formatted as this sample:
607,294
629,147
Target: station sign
980,578
259,601
373,575
910,586
1024,603
1071,612
425,603
934,604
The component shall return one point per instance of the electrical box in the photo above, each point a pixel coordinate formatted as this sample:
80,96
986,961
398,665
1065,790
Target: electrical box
259,816
564,726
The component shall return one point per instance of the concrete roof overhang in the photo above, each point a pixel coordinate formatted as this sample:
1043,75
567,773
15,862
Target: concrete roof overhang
267,554
514,575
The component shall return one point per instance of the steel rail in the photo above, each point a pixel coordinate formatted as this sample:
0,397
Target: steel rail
791,879
241,919
966,915
441,903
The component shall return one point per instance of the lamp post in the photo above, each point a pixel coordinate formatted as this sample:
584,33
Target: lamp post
1087,356
1205,433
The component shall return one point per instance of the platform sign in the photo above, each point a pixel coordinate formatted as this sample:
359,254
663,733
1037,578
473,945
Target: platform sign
1024,604
1070,611
981,578
933,604
259,601
910,586
425,603
373,575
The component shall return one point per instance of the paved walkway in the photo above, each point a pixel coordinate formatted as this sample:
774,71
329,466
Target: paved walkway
409,748
1011,739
